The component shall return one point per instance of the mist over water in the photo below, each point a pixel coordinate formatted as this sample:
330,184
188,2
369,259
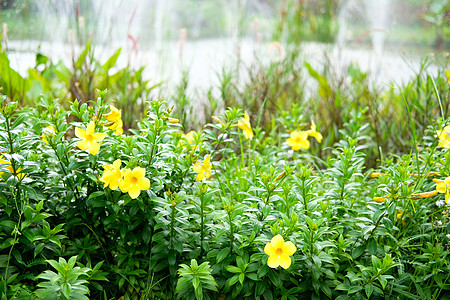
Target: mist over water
172,36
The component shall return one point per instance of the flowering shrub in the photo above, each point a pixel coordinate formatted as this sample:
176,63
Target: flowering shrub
88,211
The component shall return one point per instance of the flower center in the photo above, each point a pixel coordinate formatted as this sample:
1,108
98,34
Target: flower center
89,138
134,180
279,251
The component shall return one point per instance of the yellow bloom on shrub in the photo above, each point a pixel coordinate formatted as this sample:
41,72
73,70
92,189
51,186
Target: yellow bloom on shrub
89,138
279,252
245,125
173,120
189,137
134,182
444,137
203,169
298,140
9,168
380,199
312,132
117,127
115,115
375,175
48,132
425,194
444,188
112,175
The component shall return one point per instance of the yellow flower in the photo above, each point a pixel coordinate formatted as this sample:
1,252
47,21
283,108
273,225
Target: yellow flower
48,132
173,120
115,115
244,124
3,162
117,127
312,132
9,168
429,174
447,72
444,137
380,199
217,120
189,137
279,252
298,140
89,138
112,175
399,214
444,187
425,194
203,169
134,182
375,175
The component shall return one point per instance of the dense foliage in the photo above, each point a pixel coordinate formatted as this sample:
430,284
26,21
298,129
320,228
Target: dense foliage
295,183
79,219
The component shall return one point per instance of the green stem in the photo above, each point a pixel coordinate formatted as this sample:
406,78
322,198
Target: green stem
230,219
63,169
202,224
16,230
172,225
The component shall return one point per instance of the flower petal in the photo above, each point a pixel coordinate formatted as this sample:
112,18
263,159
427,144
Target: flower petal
94,148
198,167
207,173
83,145
289,248
124,186
273,261
127,174
144,183
441,187
99,136
200,176
91,128
277,241
285,261
116,164
134,191
114,184
304,144
138,172
80,133
268,249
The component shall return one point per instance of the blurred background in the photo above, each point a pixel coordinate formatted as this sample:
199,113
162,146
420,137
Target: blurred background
172,35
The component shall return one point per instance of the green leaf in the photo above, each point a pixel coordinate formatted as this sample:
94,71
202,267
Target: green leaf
354,289
222,254
65,289
231,281
372,246
275,278
195,282
369,290
382,280
358,251
39,205
233,269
